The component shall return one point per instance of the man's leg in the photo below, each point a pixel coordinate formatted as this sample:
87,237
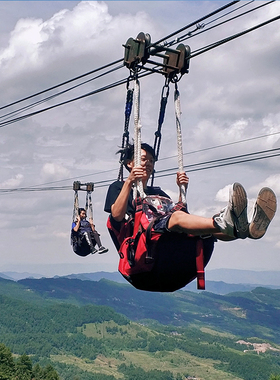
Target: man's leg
182,222
101,249
231,222
89,241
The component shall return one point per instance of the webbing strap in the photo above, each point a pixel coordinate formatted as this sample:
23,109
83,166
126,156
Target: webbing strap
163,103
125,137
200,265
137,216
89,205
179,139
76,206
137,138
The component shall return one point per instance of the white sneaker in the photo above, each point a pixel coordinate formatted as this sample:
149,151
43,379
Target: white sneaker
232,220
264,211
102,250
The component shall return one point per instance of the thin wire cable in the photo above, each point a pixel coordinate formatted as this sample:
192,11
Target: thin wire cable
105,66
222,145
58,94
230,38
223,164
108,87
63,83
199,29
194,23
224,159
197,52
161,159
243,158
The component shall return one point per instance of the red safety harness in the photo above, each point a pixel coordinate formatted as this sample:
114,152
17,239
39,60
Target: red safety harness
136,243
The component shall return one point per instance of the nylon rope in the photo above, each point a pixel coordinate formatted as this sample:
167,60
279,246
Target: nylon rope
76,206
90,213
179,139
137,138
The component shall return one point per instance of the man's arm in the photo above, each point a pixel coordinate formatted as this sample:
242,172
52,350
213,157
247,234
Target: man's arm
118,209
77,224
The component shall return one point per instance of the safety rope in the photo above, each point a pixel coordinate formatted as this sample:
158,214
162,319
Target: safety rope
179,139
76,206
163,103
88,207
125,137
137,138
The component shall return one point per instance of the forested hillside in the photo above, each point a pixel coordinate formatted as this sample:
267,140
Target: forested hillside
236,313
94,342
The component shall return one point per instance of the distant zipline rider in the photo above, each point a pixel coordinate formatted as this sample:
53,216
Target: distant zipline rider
162,247
84,236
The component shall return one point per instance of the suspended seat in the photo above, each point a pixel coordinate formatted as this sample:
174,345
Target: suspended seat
79,244
152,260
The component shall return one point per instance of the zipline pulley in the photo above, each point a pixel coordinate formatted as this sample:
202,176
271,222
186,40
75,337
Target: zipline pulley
89,186
176,61
138,51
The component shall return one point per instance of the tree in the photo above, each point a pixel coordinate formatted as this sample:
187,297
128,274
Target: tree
50,373
7,365
24,368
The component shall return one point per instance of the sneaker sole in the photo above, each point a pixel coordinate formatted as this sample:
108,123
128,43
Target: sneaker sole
103,251
264,212
239,210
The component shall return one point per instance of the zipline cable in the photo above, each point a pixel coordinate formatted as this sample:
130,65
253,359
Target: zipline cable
95,70
243,158
194,23
224,159
230,38
161,159
63,83
197,52
57,94
200,30
115,84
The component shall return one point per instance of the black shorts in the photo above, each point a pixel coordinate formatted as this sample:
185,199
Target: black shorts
161,224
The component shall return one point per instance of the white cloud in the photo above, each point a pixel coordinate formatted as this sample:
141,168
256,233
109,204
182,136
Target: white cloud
223,194
12,182
273,181
53,171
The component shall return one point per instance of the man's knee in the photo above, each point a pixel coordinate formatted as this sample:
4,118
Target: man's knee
176,221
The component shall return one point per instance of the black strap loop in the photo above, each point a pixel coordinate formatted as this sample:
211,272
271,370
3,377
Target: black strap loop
163,103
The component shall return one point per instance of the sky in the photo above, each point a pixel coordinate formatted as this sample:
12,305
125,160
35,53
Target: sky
229,103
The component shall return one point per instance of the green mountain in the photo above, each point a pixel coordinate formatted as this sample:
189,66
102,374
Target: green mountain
104,331
236,313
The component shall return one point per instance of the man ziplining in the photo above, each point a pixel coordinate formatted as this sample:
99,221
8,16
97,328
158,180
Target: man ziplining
178,229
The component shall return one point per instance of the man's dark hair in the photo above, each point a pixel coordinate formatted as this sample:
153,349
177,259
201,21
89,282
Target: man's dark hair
127,154
81,209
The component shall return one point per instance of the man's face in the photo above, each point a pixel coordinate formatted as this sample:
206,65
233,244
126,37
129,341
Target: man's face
148,162
83,214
